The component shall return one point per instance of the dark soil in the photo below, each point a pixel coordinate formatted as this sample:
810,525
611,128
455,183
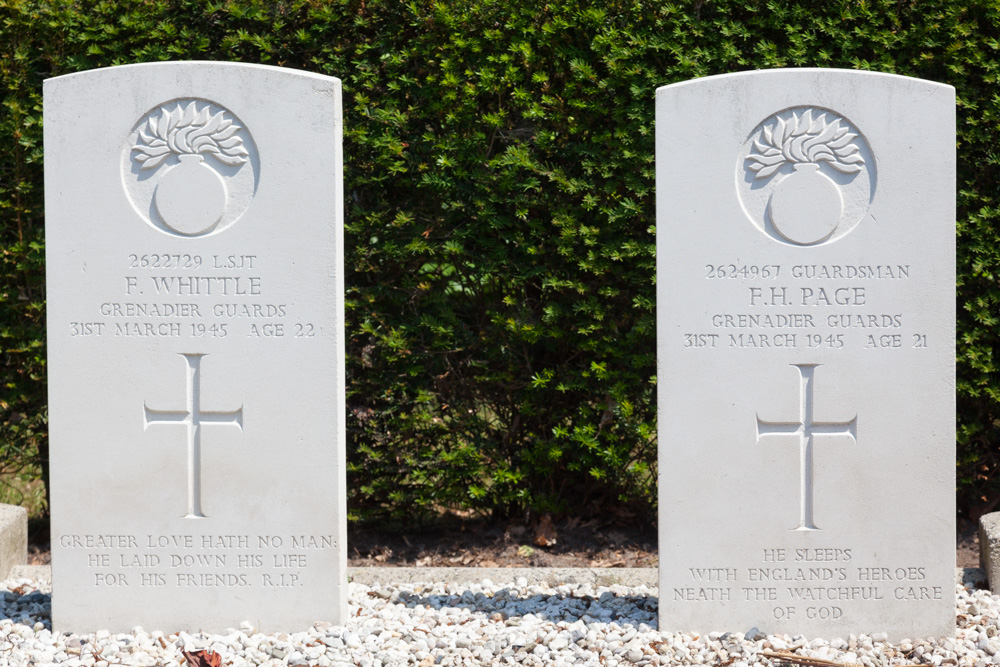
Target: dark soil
968,544
569,543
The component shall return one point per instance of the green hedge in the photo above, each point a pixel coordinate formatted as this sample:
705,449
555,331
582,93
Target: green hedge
500,215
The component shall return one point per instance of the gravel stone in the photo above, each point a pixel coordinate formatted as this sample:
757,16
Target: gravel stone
433,623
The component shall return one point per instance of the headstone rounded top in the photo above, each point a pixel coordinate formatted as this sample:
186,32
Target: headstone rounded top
785,74
197,68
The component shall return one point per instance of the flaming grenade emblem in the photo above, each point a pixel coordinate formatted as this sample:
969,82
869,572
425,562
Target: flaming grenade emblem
806,205
191,195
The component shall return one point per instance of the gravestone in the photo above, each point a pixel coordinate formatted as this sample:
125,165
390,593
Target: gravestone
806,309
195,347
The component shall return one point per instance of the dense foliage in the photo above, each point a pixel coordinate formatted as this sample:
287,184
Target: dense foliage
500,214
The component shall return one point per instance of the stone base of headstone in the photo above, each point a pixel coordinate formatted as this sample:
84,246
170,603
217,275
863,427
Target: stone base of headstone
13,537
32,572
989,548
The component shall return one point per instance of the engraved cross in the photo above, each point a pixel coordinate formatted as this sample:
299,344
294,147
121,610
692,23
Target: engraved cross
805,429
193,417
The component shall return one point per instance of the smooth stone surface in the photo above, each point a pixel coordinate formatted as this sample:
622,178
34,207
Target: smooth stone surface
989,548
194,237
806,351
13,538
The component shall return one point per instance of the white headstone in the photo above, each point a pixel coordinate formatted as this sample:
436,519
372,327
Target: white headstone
806,314
195,347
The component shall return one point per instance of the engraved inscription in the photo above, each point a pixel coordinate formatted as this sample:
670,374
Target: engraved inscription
806,582
164,261
193,417
200,561
794,298
167,298
805,429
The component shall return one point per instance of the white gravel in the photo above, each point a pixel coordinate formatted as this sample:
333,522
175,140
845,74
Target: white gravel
481,624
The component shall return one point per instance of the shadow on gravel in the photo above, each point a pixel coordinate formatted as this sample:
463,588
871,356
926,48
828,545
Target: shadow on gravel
17,607
608,608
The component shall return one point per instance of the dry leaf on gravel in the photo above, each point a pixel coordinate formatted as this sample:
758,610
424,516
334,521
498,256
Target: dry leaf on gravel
202,659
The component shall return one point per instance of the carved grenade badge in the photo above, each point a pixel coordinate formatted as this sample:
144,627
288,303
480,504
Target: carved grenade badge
192,167
808,176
